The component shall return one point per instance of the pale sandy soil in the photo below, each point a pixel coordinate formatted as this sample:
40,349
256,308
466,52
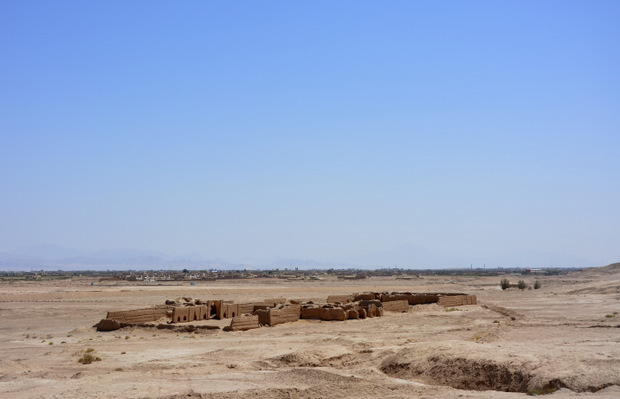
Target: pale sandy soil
512,340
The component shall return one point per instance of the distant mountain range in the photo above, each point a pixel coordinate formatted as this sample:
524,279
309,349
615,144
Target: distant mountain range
54,257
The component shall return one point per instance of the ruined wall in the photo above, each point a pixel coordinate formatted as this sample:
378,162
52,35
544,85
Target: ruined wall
414,299
180,314
245,308
272,312
364,296
457,300
225,309
310,312
274,316
340,298
287,314
367,302
421,299
352,314
242,323
396,306
372,311
229,310
138,315
329,312
264,317
335,313
184,314
273,302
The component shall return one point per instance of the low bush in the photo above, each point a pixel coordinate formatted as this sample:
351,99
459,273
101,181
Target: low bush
537,284
504,283
87,358
521,284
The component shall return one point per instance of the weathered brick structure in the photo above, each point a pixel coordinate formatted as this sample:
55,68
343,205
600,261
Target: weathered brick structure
282,314
457,300
271,312
139,315
339,298
243,323
401,305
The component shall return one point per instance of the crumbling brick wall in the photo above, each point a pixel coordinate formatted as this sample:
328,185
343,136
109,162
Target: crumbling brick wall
414,299
340,298
401,305
242,323
245,308
226,309
138,315
333,313
364,296
185,314
272,302
274,316
311,312
457,300
180,314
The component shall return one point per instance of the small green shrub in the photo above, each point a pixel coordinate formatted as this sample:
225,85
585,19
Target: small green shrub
504,283
537,284
521,284
87,358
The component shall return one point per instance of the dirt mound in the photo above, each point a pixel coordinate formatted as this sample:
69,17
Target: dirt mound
441,366
598,289
473,366
612,268
595,272
333,356
298,359
310,384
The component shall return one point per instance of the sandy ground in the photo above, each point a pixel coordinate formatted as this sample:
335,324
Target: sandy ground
565,335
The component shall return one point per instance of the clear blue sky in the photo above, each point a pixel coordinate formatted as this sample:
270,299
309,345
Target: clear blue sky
316,130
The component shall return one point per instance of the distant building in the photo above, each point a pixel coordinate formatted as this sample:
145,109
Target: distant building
534,271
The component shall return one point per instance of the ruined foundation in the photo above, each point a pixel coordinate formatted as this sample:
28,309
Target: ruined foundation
275,311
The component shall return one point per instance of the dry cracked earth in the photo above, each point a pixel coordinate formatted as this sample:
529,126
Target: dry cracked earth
561,340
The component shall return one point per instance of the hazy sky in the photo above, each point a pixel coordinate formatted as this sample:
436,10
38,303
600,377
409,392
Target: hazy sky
321,130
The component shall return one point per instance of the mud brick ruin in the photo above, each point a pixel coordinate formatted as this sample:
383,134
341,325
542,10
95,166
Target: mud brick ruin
271,312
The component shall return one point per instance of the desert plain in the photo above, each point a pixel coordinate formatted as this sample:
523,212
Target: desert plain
562,340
